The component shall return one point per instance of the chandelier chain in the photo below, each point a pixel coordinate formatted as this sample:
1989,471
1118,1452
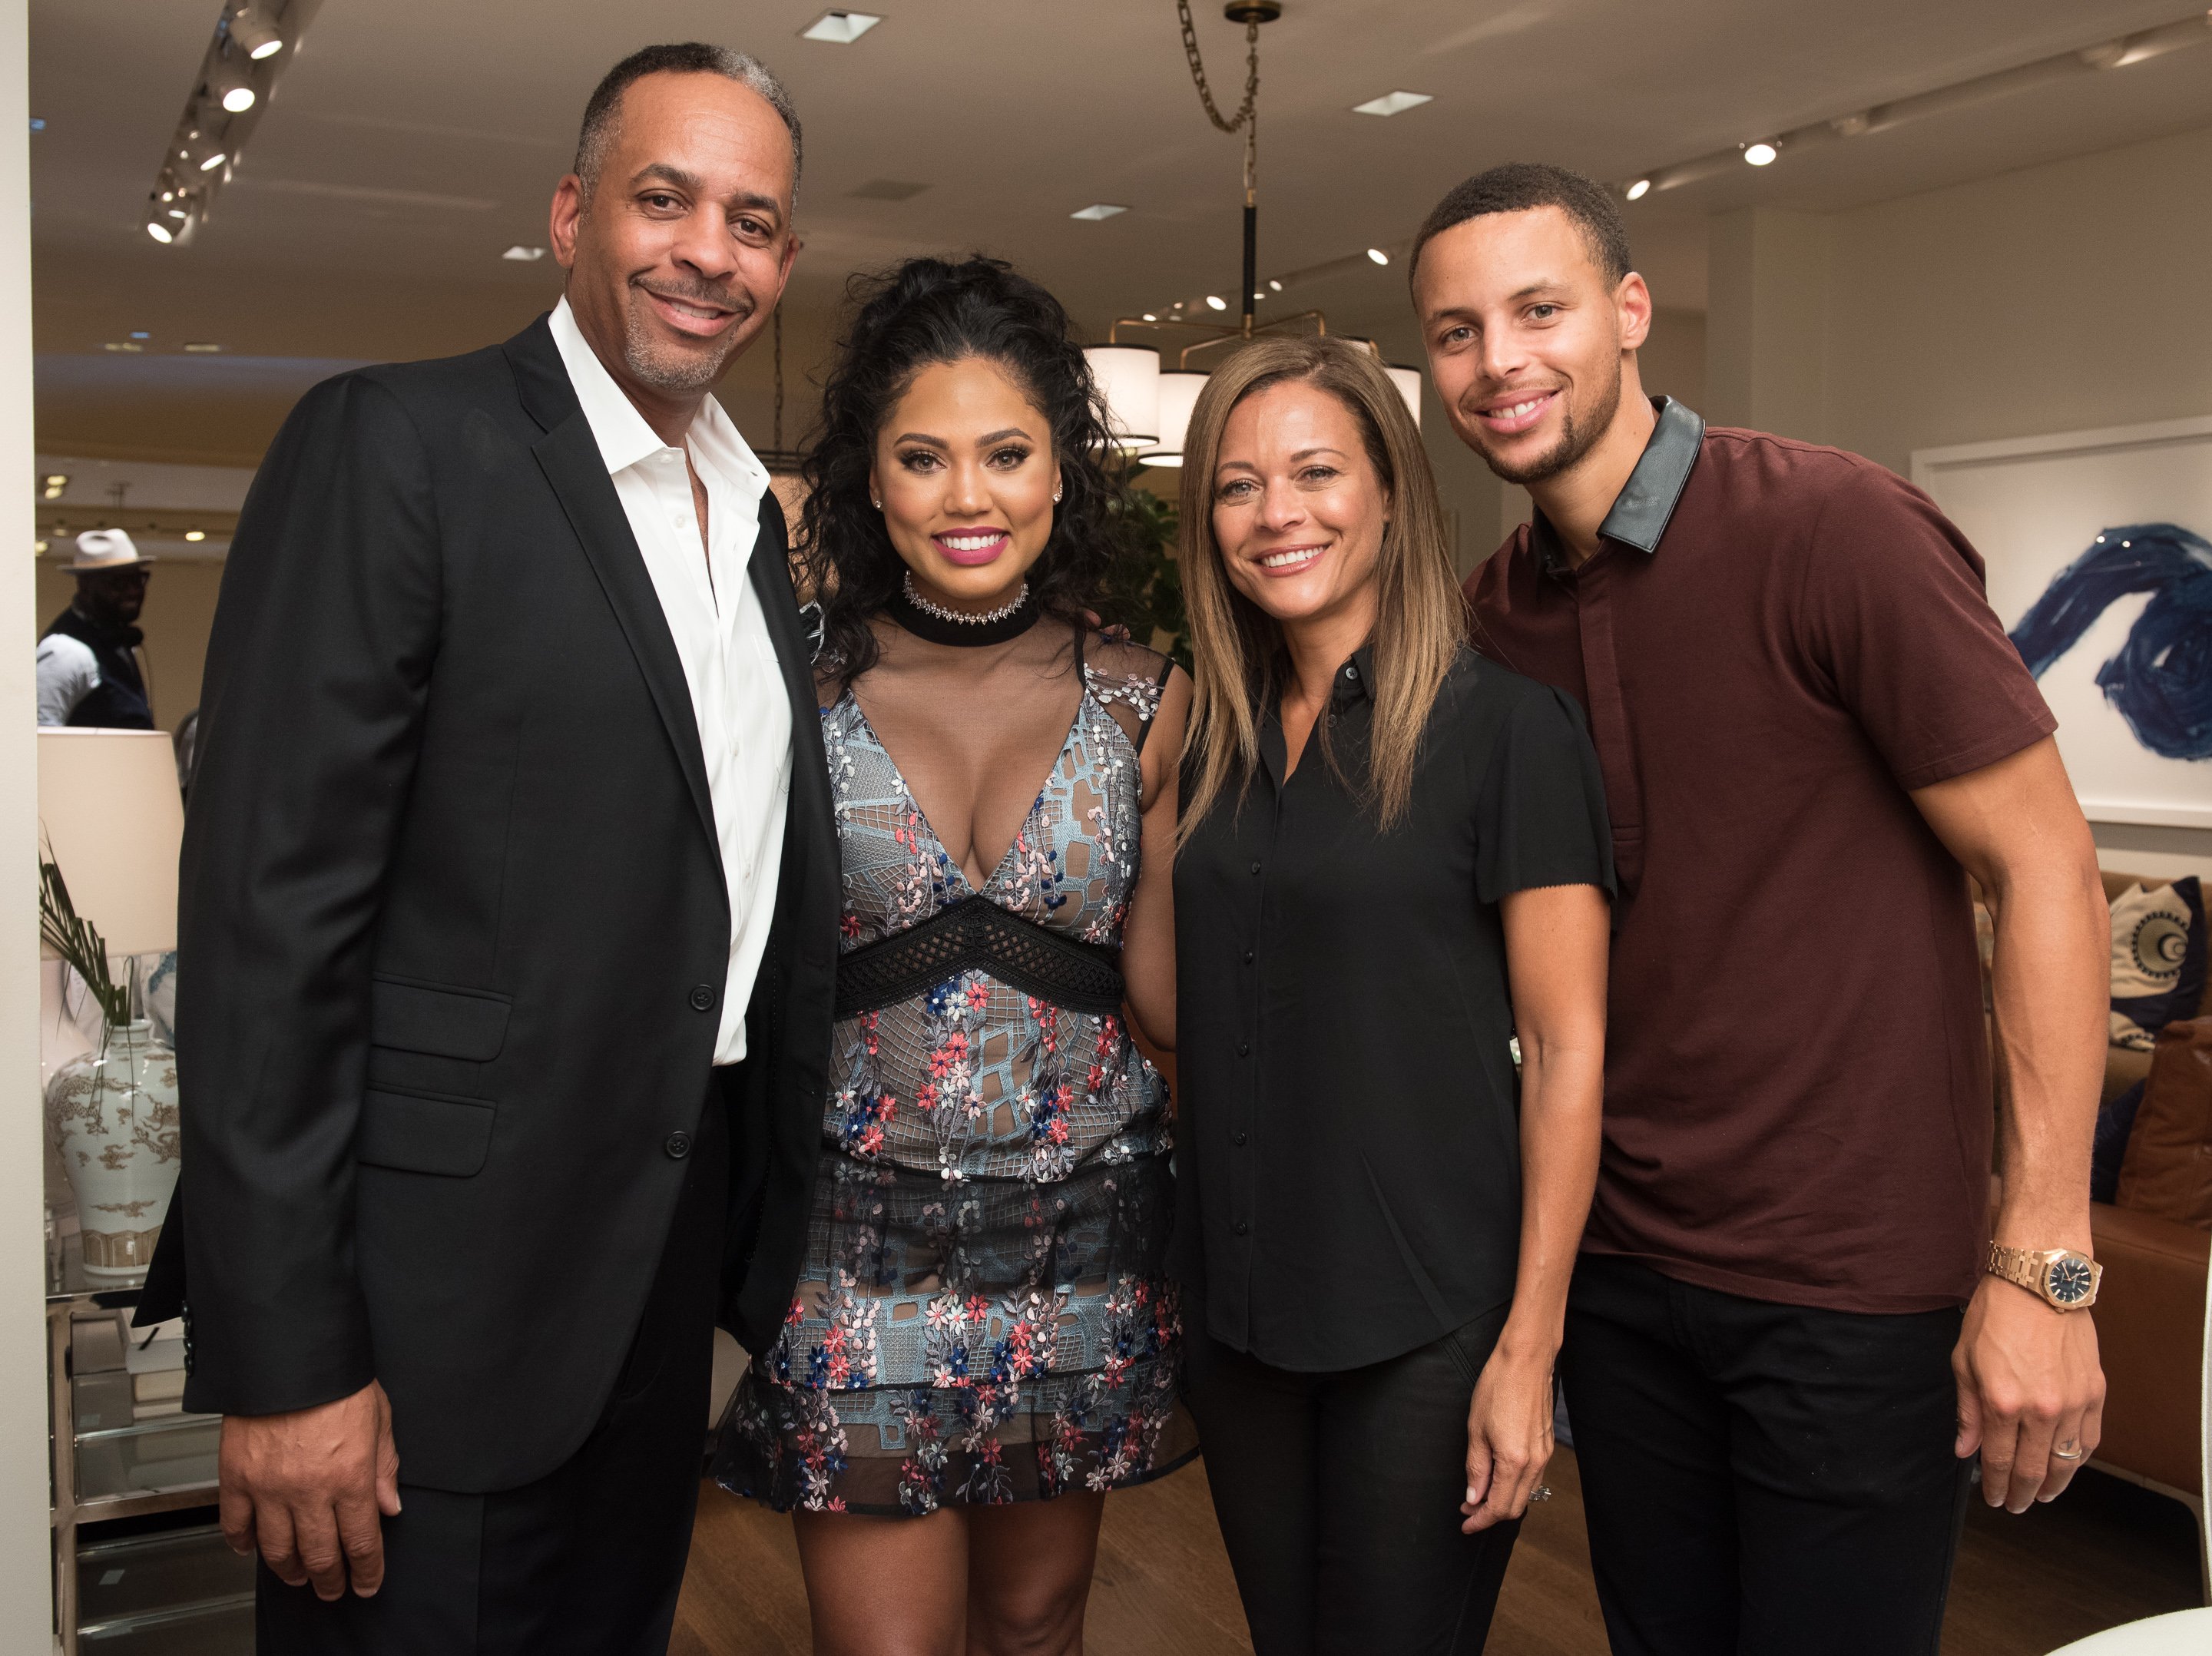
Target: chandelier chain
1247,118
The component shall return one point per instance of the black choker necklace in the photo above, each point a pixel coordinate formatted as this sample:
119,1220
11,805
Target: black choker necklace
935,625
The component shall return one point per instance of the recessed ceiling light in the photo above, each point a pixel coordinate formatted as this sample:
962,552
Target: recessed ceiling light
1217,302
1393,103
840,29
1258,296
160,233
131,346
195,534
1274,285
37,546
1098,210
1149,317
522,255
202,347
1640,189
1761,154
1378,255
57,480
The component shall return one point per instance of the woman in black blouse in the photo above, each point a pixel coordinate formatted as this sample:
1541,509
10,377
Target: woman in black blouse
1393,860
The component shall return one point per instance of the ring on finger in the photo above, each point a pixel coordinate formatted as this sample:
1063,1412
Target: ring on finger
2068,1450
1541,1492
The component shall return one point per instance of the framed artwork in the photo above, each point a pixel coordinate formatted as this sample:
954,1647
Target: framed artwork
2099,552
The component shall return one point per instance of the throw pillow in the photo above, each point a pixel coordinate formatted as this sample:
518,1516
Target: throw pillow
2115,1125
2158,960
2168,1169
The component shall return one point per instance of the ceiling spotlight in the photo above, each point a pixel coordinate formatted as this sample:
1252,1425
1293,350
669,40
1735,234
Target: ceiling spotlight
160,233
1761,154
213,162
56,484
195,534
229,85
1393,103
39,546
1096,210
1257,297
1274,286
522,255
1638,190
1378,255
201,348
840,29
254,33
1215,303
129,346
1149,317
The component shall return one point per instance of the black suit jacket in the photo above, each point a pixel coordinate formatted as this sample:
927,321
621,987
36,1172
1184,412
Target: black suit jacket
455,934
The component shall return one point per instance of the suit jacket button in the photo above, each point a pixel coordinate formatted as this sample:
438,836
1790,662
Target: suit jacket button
702,997
678,1146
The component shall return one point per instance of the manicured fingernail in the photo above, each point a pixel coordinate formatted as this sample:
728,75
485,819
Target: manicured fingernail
1474,1496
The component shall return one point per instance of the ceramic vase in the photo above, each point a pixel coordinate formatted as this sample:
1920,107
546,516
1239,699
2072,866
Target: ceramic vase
113,1114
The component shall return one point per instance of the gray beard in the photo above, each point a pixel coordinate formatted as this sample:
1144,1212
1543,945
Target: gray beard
1574,442
674,372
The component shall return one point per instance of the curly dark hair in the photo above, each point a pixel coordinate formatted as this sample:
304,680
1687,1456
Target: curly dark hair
923,312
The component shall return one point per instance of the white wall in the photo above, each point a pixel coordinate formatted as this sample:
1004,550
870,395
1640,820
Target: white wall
2056,298
25,1587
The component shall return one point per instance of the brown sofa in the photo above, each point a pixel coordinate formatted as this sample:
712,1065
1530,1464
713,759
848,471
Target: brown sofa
2150,1319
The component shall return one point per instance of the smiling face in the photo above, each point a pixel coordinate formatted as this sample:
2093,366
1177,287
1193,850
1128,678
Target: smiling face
965,472
676,260
1300,508
1527,338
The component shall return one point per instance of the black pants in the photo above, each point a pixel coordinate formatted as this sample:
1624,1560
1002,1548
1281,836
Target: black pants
1339,1497
1762,1480
587,1560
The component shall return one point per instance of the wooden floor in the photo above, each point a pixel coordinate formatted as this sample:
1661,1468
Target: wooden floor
2106,1553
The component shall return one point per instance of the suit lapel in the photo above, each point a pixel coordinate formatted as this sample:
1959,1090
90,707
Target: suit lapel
570,456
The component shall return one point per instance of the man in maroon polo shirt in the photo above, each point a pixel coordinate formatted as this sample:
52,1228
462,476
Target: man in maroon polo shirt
1792,1330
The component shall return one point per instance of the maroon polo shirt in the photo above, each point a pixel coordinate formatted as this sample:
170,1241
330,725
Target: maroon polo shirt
1774,642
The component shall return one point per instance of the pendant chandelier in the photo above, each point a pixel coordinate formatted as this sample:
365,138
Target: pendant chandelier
1149,406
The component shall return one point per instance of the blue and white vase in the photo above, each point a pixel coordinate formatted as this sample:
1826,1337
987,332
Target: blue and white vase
113,1114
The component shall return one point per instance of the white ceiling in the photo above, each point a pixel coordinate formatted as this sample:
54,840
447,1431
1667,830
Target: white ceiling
413,140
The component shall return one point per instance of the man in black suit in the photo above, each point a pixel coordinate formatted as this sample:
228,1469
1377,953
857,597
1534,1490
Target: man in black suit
510,897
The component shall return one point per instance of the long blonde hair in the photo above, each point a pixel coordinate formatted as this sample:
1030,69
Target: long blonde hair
1237,647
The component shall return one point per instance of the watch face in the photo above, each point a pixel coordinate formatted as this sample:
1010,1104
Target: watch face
2071,1280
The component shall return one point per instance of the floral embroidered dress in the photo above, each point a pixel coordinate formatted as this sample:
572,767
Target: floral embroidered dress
983,1315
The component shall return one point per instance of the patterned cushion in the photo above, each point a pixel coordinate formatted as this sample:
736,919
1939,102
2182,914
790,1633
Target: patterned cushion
2158,960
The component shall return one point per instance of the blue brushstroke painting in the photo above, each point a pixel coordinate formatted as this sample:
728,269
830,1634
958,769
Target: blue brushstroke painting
2161,681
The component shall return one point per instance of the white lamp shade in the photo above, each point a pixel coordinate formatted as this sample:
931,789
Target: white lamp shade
112,818
1408,381
1129,378
1179,389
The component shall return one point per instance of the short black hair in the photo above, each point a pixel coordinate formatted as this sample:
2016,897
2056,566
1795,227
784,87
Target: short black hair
684,57
1519,186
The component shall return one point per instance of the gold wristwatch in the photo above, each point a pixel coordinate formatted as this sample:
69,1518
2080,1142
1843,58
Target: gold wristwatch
2066,1280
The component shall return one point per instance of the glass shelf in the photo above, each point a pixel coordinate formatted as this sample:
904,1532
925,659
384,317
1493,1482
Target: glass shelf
174,1575
161,1456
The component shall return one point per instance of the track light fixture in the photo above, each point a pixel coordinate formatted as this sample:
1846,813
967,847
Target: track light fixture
254,39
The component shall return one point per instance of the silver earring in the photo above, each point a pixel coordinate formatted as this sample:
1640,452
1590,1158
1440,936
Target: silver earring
873,502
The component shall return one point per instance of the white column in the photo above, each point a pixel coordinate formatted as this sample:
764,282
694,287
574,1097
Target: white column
25,1585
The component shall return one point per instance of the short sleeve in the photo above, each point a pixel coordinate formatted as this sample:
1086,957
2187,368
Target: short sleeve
68,673
1896,614
1540,805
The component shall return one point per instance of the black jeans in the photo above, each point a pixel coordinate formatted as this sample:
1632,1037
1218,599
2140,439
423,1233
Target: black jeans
588,1561
1339,1497
1762,1480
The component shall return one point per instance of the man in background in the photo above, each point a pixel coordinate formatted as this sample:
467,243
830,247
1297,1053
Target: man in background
1795,1322
90,670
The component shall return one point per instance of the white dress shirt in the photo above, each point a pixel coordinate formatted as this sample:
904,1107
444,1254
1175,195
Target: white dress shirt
737,693
68,673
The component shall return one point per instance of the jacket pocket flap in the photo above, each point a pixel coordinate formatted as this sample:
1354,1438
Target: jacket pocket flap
445,1023
417,1133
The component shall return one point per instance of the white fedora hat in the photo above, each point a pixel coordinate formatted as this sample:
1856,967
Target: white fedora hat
106,549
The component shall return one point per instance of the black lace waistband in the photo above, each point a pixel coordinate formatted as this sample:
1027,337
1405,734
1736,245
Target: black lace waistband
974,933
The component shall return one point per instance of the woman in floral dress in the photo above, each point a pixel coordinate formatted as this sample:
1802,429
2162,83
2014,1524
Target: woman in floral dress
983,1342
